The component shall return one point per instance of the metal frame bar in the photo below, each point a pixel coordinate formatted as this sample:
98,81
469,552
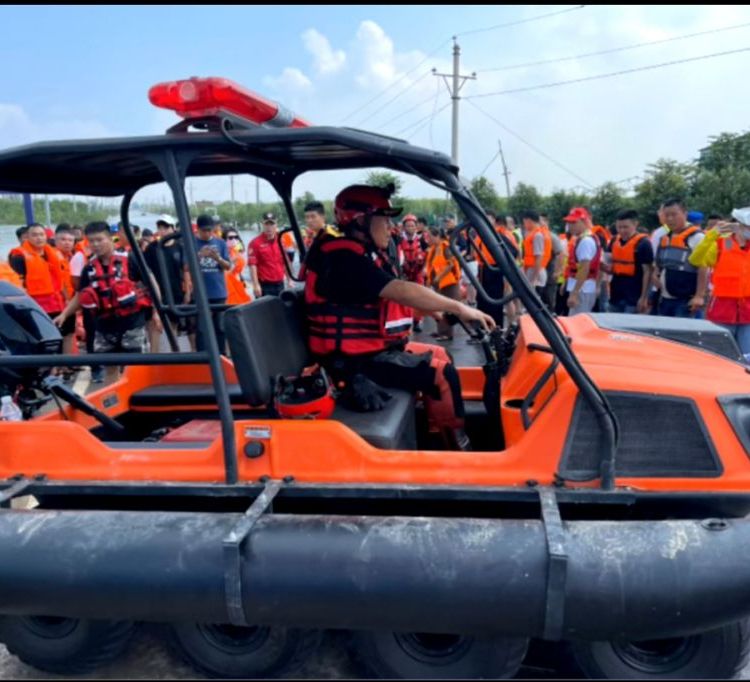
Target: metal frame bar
232,548
174,175
535,389
557,570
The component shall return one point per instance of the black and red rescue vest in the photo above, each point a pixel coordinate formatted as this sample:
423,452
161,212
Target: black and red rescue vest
413,258
113,293
352,329
573,263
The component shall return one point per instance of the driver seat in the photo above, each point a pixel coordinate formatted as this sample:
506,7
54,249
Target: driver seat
267,338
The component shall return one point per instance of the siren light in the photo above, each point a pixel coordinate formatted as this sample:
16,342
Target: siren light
197,97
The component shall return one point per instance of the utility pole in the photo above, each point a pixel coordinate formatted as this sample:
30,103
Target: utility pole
257,199
192,196
506,172
234,206
46,209
454,88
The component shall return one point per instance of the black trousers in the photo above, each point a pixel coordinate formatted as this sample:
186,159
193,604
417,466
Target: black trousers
271,288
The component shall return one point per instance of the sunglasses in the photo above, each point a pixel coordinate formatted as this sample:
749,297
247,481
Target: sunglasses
232,237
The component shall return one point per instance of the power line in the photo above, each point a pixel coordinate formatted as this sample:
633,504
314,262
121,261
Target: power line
447,40
534,147
404,113
424,125
387,88
434,109
520,21
393,99
422,120
606,75
614,49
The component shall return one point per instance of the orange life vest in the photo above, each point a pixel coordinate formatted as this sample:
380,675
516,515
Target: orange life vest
437,261
573,262
44,280
352,329
623,255
8,274
236,292
672,256
731,274
602,234
529,259
67,279
501,230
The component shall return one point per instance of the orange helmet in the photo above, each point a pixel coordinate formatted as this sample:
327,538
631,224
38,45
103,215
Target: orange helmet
362,201
305,397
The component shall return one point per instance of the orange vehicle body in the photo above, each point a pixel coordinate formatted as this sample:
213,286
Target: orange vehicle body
327,451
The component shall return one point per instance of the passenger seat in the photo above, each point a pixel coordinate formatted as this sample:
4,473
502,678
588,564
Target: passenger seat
267,338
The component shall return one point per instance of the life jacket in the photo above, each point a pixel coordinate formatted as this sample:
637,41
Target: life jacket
730,303
500,230
67,278
236,292
352,329
566,245
602,234
412,258
8,274
672,257
43,280
529,259
83,247
437,262
112,293
623,255
573,262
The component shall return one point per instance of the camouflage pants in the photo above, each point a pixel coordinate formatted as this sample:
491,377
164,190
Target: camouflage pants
130,341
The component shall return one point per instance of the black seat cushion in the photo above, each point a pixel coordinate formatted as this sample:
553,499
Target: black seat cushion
392,428
183,394
266,338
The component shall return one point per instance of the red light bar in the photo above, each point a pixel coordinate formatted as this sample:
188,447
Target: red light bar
196,97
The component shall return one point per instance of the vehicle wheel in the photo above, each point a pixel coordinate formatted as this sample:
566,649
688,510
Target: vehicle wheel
64,645
416,655
230,651
716,654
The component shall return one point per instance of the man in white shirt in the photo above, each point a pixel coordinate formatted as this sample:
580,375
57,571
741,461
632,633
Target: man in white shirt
583,268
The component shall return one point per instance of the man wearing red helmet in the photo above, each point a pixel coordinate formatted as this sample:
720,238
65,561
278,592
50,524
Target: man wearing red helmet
360,315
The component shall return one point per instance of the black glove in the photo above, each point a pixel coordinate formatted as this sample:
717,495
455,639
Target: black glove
364,395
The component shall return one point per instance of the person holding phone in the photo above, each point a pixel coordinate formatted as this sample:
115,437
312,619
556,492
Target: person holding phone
726,249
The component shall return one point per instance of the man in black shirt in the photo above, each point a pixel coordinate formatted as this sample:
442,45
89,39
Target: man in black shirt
108,287
360,315
630,259
171,248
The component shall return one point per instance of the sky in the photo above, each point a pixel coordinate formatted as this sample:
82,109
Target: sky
84,71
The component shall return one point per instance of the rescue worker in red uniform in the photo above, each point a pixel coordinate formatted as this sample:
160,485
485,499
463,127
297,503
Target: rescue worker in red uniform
411,255
359,316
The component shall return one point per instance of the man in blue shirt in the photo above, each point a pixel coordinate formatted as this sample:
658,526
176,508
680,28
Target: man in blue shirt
213,259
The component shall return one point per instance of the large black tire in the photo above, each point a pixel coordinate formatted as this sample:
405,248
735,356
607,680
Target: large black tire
415,656
64,645
228,651
716,654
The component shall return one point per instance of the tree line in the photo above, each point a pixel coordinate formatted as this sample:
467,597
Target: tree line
717,181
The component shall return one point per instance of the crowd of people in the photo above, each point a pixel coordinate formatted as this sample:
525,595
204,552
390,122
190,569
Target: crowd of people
90,282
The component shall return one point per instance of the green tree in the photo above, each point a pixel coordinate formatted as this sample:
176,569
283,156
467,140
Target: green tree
721,191
525,197
384,178
726,150
301,202
664,179
607,202
558,204
485,193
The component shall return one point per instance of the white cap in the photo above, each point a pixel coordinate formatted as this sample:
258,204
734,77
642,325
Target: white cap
742,215
166,218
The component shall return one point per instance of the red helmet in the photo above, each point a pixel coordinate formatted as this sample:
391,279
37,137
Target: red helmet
305,397
358,201
409,216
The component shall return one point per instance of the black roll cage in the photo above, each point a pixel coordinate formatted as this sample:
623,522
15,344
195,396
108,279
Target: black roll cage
123,166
